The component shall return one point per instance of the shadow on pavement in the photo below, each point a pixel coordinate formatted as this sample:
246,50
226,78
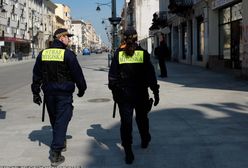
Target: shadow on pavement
199,77
44,136
104,147
2,113
216,136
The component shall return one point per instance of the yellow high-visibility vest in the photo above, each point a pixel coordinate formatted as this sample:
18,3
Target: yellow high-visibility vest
138,57
53,54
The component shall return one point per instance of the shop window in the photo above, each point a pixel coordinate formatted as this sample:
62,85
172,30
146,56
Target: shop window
225,41
230,32
200,38
236,12
225,16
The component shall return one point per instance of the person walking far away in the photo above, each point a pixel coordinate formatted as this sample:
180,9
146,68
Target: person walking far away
56,71
161,52
131,74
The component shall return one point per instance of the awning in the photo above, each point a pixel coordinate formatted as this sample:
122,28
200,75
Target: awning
13,39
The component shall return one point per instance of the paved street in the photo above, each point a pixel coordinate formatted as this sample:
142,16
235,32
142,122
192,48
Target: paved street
201,122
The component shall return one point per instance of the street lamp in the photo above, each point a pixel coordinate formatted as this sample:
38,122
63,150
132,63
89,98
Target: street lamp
98,9
113,20
33,34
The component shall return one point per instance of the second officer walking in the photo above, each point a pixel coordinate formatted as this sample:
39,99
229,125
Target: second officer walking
131,74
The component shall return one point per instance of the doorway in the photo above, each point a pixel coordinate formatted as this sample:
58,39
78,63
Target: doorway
235,44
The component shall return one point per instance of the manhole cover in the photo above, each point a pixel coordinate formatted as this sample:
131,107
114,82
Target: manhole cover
3,97
99,100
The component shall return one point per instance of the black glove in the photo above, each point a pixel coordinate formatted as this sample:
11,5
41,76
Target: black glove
37,99
80,93
156,98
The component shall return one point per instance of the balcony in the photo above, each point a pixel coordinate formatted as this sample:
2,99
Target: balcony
159,20
180,7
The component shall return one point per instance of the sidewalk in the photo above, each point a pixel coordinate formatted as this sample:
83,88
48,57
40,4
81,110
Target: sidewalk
201,122
14,61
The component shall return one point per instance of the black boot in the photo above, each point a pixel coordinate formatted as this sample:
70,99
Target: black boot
56,158
145,142
65,146
129,155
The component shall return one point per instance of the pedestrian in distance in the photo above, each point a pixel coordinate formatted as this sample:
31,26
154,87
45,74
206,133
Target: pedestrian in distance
56,71
161,52
131,74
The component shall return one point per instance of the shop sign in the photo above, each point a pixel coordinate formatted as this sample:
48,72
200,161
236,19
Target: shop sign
219,3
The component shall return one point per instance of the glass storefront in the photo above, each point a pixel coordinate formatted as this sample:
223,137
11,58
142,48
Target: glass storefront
230,34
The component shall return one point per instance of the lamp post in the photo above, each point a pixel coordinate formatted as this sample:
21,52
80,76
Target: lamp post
114,21
33,34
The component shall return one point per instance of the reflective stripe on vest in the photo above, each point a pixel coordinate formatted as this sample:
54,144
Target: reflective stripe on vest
53,54
138,57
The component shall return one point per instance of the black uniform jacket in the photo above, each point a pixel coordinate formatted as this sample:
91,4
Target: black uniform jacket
62,76
130,81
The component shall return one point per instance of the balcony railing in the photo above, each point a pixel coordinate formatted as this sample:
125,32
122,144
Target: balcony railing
180,6
159,20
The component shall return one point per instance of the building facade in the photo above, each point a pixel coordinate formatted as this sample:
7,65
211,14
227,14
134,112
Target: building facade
25,26
139,14
207,33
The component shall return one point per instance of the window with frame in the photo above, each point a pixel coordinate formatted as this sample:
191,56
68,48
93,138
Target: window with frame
227,16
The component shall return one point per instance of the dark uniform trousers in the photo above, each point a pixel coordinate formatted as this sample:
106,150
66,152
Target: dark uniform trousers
163,68
60,113
126,112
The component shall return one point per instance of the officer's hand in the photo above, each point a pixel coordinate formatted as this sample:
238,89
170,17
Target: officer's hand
37,99
80,93
156,99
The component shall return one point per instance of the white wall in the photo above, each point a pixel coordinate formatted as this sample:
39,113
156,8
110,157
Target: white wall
144,14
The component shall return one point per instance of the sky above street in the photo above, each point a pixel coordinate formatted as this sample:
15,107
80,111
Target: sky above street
86,10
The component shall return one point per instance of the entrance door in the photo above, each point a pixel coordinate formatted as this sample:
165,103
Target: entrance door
235,45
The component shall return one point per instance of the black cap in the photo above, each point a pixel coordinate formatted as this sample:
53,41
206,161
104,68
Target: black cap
61,32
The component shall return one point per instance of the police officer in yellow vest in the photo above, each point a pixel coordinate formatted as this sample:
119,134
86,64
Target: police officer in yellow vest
56,72
131,74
